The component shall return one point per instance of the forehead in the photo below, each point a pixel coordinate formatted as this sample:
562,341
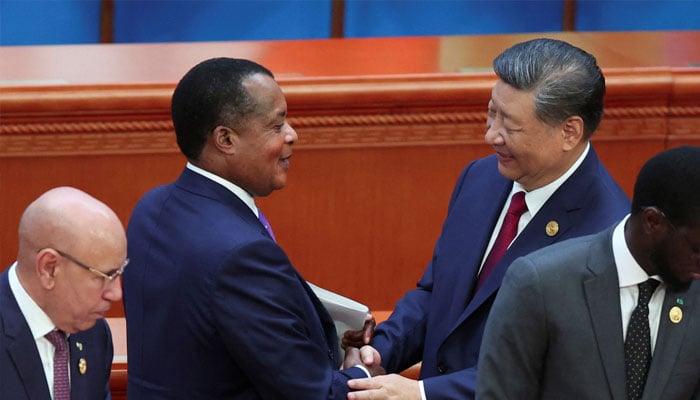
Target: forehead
264,89
511,102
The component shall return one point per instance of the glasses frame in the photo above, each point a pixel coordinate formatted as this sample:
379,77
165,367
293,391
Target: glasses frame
108,277
693,248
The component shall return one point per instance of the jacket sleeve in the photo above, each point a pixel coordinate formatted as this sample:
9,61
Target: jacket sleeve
270,326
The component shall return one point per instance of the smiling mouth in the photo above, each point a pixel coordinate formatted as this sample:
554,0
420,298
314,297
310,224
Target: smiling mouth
503,157
285,161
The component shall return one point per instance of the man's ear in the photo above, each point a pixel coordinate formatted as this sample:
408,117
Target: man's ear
654,223
572,131
47,268
225,139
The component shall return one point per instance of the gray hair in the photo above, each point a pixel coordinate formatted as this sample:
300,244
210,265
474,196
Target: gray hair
564,79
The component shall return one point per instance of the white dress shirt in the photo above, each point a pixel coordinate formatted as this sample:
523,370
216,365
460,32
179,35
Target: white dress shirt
630,274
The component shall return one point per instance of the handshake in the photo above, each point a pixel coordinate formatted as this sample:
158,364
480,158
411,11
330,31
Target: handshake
358,352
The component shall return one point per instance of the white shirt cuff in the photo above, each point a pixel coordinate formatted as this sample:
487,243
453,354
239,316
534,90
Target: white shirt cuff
362,367
422,390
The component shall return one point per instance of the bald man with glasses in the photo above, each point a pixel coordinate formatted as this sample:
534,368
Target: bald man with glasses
54,341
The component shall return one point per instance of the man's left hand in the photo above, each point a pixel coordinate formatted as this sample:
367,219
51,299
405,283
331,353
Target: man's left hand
386,387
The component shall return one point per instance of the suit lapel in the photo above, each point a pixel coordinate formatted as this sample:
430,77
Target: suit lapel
468,207
563,207
603,298
26,359
558,208
78,383
669,341
21,346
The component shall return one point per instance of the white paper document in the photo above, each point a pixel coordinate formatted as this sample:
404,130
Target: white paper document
347,313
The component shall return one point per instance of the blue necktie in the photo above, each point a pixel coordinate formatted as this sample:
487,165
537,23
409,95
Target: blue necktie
266,224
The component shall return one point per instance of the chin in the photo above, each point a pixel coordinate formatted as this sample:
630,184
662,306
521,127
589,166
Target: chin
678,285
673,281
507,173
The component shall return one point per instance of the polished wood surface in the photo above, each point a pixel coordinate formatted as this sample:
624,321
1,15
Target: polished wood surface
385,126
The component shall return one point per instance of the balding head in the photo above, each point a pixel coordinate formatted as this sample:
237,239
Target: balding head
65,217
62,226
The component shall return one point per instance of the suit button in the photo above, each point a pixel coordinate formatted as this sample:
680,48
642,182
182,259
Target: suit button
442,368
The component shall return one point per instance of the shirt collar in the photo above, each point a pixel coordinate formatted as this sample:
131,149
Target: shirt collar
629,272
237,190
39,323
535,199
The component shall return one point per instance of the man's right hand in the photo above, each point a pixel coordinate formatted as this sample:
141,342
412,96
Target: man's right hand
361,337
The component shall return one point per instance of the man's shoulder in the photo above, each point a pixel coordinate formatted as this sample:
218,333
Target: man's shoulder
575,245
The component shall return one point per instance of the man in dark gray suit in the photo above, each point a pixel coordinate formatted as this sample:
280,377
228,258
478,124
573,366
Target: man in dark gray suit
564,324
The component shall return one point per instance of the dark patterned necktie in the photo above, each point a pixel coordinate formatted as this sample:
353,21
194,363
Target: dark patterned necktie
61,383
638,342
508,231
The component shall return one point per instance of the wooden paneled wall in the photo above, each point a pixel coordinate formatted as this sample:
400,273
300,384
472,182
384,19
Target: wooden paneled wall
385,127
371,174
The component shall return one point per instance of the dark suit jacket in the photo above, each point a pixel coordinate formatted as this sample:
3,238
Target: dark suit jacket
438,323
215,309
559,331
21,373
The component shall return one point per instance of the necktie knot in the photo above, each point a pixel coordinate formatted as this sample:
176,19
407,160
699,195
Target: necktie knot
646,289
517,205
57,339
266,224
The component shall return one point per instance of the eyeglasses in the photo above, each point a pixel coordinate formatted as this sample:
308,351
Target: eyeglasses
108,277
693,248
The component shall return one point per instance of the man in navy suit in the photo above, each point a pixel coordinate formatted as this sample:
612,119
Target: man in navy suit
72,250
544,108
214,308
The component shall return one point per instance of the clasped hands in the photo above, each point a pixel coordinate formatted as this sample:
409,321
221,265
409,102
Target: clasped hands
359,352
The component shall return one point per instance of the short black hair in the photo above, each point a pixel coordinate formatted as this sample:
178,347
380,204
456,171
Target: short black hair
670,181
564,79
211,94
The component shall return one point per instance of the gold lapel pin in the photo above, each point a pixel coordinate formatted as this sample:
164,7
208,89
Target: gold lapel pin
82,366
79,346
675,315
552,228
